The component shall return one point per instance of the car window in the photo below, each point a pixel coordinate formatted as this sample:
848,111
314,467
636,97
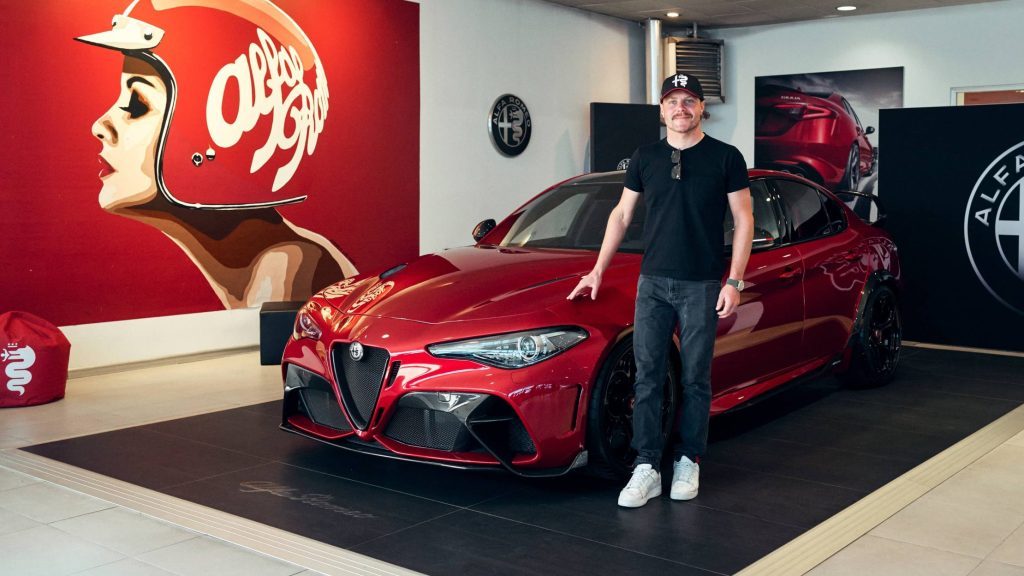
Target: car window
861,206
766,223
836,215
551,224
574,216
852,113
805,207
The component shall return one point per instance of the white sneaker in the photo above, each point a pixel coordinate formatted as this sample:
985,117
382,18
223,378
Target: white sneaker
685,479
644,485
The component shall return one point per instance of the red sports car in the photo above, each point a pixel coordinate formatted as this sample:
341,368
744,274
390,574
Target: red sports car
816,135
473,357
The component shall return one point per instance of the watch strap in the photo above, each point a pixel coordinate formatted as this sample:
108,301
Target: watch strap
737,284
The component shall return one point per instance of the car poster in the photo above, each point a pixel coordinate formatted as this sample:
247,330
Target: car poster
824,125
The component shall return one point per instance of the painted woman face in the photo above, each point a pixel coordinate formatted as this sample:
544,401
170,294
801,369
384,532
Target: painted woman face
130,132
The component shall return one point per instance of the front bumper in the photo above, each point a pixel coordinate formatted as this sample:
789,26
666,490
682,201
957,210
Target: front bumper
413,406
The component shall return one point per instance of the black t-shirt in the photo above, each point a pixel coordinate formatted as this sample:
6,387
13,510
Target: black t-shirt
684,236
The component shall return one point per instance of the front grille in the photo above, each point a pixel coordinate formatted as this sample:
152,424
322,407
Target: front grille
359,381
430,429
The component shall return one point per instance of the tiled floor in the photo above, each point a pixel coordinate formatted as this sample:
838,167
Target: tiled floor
971,524
49,530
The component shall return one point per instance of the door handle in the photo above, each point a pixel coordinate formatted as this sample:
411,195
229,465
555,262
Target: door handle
791,272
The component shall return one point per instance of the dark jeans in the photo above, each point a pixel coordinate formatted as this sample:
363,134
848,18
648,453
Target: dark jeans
661,303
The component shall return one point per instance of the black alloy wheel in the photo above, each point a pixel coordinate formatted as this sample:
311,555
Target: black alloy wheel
610,414
876,351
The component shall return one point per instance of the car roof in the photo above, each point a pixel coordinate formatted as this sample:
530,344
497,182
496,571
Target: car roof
617,176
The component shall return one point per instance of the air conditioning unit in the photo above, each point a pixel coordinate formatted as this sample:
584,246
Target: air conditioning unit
702,57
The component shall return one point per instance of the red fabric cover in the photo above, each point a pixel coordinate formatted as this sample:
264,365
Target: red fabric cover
33,360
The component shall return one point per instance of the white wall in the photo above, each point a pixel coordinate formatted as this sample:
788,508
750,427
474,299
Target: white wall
939,49
126,341
556,59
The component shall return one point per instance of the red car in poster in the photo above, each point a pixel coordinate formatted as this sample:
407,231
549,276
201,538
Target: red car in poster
473,357
816,135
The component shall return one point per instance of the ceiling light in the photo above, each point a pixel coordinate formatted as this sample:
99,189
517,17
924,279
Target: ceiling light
846,8
673,14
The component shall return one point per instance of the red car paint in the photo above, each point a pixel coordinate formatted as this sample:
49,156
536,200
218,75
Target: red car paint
797,316
818,136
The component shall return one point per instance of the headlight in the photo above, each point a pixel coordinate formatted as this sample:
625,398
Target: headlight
305,327
514,350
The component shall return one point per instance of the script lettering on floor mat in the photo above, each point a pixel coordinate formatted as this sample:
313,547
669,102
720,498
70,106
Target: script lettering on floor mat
316,500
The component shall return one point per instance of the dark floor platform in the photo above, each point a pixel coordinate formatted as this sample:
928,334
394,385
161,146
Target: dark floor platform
773,471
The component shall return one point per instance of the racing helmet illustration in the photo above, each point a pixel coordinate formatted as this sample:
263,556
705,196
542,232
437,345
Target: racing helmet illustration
247,98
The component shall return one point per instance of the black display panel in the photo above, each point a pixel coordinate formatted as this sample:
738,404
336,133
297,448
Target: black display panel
953,178
616,130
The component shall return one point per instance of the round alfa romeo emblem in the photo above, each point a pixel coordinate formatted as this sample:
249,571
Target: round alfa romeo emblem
994,228
356,351
510,125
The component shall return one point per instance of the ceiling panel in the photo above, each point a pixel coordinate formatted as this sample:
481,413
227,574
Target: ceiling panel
729,13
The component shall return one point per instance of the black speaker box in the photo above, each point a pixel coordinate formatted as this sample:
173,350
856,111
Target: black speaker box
276,321
616,130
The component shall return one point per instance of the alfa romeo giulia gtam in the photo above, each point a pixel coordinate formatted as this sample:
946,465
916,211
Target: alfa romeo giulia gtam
474,357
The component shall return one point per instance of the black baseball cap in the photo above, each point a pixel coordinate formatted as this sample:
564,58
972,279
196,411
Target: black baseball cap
682,81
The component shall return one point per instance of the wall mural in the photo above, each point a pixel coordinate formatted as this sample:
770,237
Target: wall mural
241,151
824,126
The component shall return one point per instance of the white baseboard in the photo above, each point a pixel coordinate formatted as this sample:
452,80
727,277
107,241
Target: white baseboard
146,339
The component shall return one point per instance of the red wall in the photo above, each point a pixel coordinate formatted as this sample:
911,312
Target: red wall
67,260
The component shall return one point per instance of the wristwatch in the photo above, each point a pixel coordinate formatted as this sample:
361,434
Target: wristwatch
737,284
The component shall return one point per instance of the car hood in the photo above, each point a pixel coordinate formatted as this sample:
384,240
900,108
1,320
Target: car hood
463,284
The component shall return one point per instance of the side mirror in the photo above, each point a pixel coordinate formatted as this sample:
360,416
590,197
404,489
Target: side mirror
870,130
483,228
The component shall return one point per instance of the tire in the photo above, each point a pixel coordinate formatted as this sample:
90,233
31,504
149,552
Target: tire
875,351
851,177
610,413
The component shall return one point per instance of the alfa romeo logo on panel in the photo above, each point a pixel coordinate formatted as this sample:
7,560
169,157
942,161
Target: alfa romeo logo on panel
510,125
994,228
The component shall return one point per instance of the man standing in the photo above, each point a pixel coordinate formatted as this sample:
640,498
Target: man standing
687,180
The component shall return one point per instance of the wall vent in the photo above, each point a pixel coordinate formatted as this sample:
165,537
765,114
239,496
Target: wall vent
703,57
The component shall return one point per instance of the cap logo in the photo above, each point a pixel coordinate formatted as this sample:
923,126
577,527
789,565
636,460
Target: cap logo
680,81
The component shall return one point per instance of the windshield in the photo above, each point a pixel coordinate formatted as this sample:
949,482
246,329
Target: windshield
574,216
